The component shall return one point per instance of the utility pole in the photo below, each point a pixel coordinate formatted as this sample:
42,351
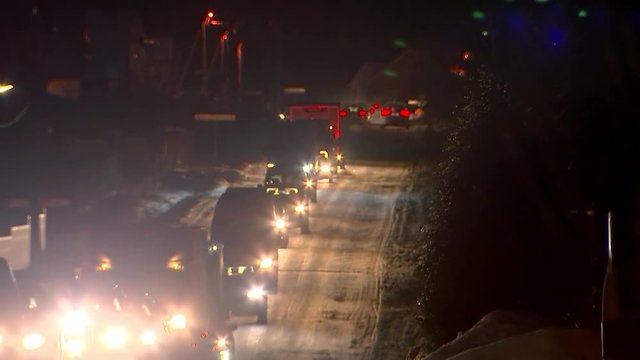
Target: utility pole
203,36
239,50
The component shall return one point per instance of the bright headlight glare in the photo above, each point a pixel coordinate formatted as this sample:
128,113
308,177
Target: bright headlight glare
339,157
256,294
178,322
148,338
266,263
221,343
299,208
280,224
307,168
308,184
225,355
5,88
325,168
75,322
115,337
33,341
74,347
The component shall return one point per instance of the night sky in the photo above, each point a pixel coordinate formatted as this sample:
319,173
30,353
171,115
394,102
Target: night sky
324,42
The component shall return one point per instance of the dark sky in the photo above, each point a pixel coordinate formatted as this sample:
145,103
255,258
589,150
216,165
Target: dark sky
326,40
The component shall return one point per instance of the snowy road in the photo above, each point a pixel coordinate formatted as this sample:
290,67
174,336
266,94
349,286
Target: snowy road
328,281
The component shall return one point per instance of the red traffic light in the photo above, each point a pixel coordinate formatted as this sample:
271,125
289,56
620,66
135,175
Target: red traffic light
405,113
362,113
385,112
343,113
210,14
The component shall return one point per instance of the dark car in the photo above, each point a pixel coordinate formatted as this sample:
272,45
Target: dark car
395,114
249,232
293,174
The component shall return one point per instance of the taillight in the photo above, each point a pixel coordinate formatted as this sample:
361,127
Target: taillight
385,112
405,113
362,113
376,106
372,111
343,113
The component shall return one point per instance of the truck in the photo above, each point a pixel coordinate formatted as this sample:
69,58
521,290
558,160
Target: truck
165,280
248,230
28,331
327,117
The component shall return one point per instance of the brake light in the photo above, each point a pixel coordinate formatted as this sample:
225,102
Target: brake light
362,113
343,113
385,112
372,111
376,106
405,113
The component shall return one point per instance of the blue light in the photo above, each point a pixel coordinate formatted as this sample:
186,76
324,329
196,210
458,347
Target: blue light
517,22
557,37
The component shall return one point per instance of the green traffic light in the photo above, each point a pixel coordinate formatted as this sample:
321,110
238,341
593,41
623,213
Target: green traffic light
390,73
400,43
478,14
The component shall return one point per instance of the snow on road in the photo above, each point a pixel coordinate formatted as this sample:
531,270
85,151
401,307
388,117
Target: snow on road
328,281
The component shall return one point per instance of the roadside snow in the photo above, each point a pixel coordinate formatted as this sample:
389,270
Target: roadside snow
493,327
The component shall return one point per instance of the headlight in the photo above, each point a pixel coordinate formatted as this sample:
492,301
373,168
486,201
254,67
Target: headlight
325,168
282,116
74,348
75,323
221,343
339,157
280,224
299,208
307,168
115,337
270,165
266,263
33,341
148,338
308,184
256,294
178,322
225,355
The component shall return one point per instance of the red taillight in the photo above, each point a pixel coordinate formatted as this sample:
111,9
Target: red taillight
343,113
372,111
362,113
385,112
376,106
405,113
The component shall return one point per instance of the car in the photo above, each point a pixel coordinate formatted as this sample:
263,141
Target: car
293,207
248,230
324,165
395,114
292,174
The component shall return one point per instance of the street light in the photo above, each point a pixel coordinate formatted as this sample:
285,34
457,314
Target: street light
4,88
